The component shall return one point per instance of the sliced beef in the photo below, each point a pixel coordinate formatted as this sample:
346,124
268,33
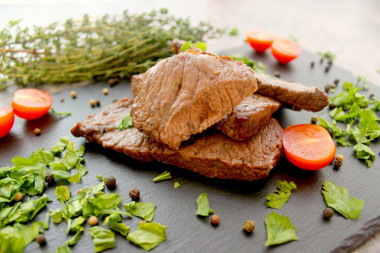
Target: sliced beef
185,94
248,117
296,95
135,81
210,154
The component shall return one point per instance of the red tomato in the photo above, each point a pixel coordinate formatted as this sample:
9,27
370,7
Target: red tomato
285,50
260,40
7,119
308,146
31,103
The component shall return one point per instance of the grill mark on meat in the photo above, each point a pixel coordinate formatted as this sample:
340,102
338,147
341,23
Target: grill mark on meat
173,119
210,154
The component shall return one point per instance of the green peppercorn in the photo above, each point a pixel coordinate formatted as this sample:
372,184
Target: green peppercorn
134,194
249,226
111,182
328,213
41,240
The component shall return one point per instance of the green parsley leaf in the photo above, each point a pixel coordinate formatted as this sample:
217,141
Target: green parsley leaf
125,123
256,66
148,235
11,241
364,152
8,189
74,178
60,146
334,130
163,176
339,199
116,224
60,114
362,81
327,55
98,189
203,205
234,32
202,46
177,185
27,233
188,44
142,210
103,238
63,249
75,226
279,229
62,192
56,215
281,196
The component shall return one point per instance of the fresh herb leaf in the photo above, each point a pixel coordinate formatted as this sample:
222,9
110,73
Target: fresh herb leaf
279,229
60,146
8,189
364,152
125,123
362,81
62,192
281,196
63,249
203,205
56,215
339,199
163,176
60,114
234,32
116,224
188,44
256,66
103,238
142,210
148,235
74,178
11,241
75,226
177,185
327,55
335,131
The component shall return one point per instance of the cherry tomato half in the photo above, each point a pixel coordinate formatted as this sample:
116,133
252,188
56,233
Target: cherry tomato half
285,50
308,146
260,40
7,119
31,103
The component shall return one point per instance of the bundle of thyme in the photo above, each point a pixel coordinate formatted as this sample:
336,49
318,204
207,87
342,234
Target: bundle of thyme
92,49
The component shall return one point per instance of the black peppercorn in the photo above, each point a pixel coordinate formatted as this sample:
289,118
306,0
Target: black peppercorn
327,68
329,62
41,240
134,194
328,87
277,74
337,164
336,81
312,64
111,182
332,106
321,61
371,96
328,213
49,179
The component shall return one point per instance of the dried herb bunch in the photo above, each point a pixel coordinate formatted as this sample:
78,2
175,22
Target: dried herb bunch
92,49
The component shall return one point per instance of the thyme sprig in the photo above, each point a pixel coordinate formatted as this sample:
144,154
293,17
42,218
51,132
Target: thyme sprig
92,49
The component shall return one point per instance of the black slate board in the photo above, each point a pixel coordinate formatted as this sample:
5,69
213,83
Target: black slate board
234,201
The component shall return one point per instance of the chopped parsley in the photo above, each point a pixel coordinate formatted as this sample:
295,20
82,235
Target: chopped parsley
148,235
116,224
142,210
188,44
327,55
281,196
60,114
125,123
256,66
279,229
163,176
103,238
234,31
177,185
203,205
338,198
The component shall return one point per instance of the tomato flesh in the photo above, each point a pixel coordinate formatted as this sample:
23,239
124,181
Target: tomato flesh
285,50
308,146
7,119
260,40
31,103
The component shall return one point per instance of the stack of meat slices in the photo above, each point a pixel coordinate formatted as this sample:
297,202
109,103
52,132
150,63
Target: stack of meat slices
197,111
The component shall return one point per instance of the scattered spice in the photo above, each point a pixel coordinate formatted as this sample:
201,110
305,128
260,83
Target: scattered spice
113,81
62,100
18,197
92,102
332,106
105,91
339,158
337,164
321,61
215,220
41,240
97,103
312,64
329,63
92,220
336,81
134,194
328,213
37,131
249,226
327,69
49,179
371,96
314,119
110,182
73,94
277,74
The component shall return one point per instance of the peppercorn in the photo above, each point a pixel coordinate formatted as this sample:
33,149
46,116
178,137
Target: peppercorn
332,106
41,240
105,91
249,226
327,68
92,221
314,119
18,197
328,87
62,100
134,194
371,96
73,94
113,81
49,179
321,60
97,103
92,102
215,220
37,131
329,62
336,81
337,164
339,158
328,213
312,64
111,182
277,74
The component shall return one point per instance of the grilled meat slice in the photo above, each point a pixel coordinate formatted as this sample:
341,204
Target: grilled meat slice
210,154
